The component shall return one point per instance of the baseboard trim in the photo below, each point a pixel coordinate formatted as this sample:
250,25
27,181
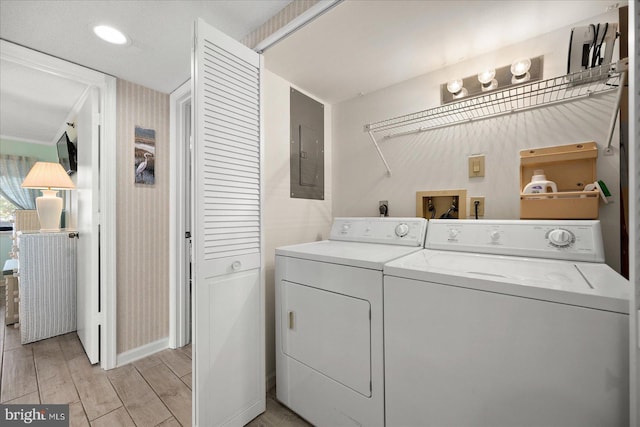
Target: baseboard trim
141,352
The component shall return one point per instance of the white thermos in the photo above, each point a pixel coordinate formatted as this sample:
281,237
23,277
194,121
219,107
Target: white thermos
540,184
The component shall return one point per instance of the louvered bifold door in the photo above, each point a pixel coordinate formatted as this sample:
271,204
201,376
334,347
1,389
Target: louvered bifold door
228,290
229,159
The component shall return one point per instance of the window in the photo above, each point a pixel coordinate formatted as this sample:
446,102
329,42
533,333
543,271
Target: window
13,170
6,214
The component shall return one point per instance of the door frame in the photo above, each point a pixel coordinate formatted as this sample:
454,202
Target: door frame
179,298
634,208
106,86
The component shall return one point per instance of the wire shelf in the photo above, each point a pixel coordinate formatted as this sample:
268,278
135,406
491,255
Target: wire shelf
540,93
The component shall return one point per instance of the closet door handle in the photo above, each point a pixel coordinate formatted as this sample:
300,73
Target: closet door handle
291,320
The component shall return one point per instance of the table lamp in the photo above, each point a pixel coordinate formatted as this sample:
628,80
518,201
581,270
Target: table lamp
49,178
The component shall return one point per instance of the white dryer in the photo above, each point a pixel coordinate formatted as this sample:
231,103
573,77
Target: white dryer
329,342
507,323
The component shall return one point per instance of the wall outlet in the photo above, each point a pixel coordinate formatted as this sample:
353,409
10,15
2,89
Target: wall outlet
383,208
472,206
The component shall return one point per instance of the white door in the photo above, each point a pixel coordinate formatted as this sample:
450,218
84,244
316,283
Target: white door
314,333
88,205
228,280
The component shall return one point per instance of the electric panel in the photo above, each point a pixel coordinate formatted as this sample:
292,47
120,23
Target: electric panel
307,147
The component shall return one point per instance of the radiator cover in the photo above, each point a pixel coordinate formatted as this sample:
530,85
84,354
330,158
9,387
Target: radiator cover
47,285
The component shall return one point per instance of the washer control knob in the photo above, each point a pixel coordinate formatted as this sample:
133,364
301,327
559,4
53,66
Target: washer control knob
345,228
402,230
495,236
561,238
453,233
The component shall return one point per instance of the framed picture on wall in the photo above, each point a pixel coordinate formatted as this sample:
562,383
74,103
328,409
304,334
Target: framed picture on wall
145,153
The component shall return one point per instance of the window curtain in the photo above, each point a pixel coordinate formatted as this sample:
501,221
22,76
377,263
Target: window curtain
13,170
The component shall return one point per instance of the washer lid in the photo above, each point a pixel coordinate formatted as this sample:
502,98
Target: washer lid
582,284
356,254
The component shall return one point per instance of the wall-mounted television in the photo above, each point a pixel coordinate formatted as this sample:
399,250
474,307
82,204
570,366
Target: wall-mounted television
67,154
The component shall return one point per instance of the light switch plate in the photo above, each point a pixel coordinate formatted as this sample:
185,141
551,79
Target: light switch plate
476,166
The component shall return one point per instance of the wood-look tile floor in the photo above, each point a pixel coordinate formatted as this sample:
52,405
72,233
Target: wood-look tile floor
154,391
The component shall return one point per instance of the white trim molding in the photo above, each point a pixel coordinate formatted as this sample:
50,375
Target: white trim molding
108,231
315,11
634,209
179,298
141,352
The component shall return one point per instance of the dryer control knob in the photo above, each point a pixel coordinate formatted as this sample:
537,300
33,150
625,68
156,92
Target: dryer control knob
495,236
402,230
453,233
561,238
345,228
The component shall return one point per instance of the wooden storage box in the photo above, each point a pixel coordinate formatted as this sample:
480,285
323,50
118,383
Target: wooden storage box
572,168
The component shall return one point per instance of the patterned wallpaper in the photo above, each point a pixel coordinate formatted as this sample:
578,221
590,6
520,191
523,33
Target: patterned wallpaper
142,221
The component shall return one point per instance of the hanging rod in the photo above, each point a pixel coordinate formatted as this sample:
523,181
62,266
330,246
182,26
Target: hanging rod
582,84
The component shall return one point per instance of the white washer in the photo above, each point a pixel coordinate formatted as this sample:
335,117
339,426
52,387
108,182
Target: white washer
506,323
329,343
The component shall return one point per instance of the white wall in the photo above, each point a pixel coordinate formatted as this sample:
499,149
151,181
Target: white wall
287,220
437,159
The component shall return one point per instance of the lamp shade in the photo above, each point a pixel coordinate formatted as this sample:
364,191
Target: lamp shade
47,175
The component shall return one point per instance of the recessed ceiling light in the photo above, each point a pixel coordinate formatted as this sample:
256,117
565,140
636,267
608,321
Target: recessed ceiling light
110,34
